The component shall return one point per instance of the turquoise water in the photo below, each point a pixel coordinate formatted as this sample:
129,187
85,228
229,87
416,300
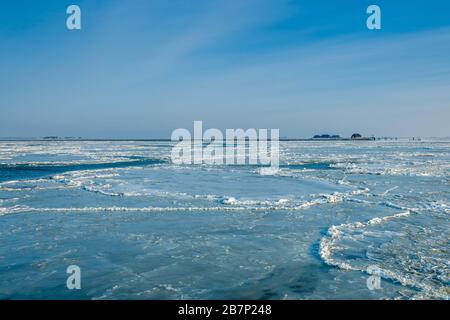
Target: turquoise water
140,227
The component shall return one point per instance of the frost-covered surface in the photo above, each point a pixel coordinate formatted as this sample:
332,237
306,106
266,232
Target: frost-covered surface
141,227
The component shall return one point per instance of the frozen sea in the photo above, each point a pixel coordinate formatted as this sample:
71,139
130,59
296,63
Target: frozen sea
141,227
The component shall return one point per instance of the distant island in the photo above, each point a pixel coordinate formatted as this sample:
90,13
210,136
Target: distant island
355,136
61,138
327,136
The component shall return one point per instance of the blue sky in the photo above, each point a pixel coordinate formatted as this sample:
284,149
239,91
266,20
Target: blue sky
141,69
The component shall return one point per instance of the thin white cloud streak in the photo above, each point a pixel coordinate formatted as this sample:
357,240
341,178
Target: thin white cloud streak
402,79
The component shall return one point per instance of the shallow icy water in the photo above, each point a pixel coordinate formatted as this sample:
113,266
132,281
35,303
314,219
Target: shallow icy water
141,227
